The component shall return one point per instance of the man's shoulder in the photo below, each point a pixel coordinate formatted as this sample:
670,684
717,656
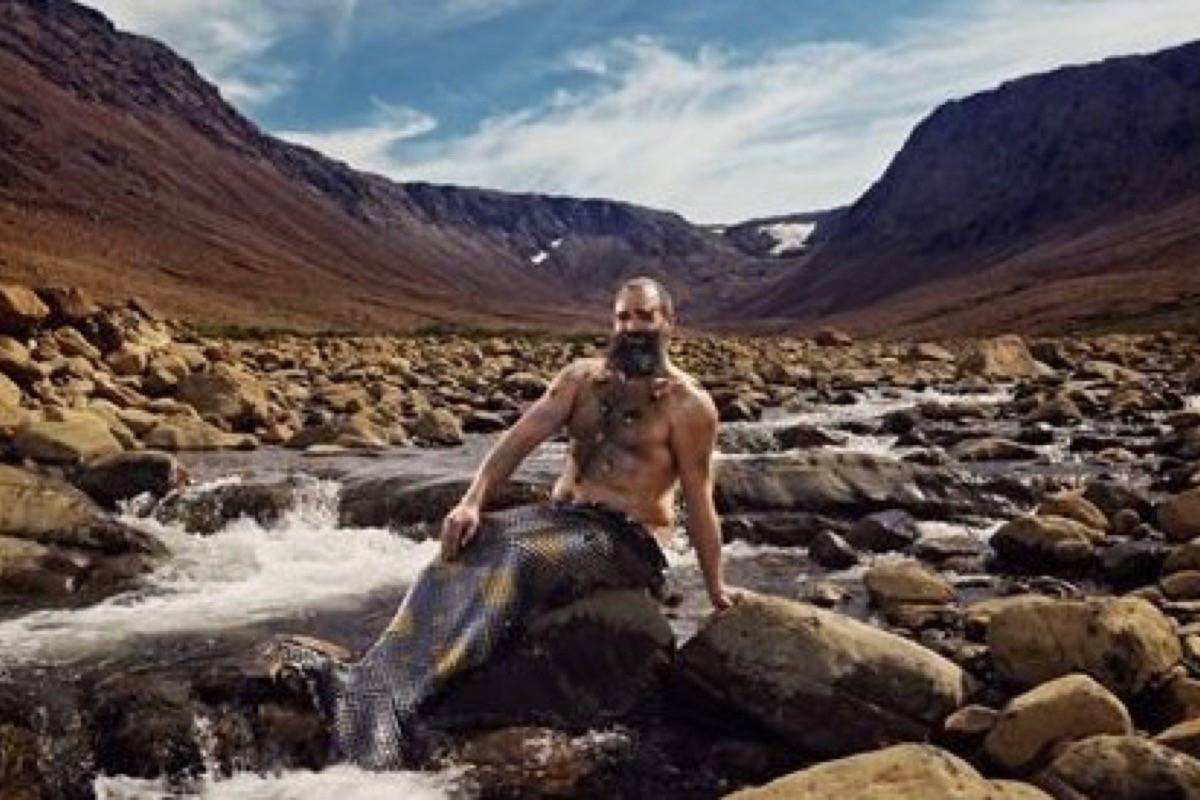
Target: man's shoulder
690,397
581,369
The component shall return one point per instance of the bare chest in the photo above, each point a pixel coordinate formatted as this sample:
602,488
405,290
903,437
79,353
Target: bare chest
618,419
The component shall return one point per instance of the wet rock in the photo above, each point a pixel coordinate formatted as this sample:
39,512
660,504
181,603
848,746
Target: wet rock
525,761
1061,710
1184,557
941,549
798,436
832,551
1184,585
123,476
146,728
902,772
746,439
993,449
1002,357
782,529
207,510
906,583
1121,768
1034,543
352,431
1179,516
1129,564
1124,643
525,385
1183,736
582,665
828,684
478,421
737,409
1110,497
377,498
1060,411
884,531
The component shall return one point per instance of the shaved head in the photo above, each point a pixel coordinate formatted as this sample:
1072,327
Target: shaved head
642,283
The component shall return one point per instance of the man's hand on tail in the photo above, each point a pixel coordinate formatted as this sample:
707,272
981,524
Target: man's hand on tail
458,529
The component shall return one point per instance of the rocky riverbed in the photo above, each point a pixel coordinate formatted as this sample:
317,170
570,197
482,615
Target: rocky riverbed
972,565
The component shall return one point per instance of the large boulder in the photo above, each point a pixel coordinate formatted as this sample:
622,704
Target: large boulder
379,498
1125,643
75,439
227,393
1003,357
580,665
848,484
828,683
112,479
21,310
438,427
191,433
1061,710
902,772
1121,768
1040,542
1179,516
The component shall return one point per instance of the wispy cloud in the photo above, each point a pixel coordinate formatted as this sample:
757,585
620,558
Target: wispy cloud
368,146
722,135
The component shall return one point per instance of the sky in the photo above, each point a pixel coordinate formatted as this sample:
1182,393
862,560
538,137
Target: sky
722,110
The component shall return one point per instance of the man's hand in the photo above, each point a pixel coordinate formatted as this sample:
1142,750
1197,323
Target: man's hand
458,529
726,597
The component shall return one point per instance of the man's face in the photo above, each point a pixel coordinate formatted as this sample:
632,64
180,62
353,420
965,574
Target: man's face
639,309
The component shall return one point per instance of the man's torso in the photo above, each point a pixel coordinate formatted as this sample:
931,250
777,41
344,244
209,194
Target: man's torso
620,453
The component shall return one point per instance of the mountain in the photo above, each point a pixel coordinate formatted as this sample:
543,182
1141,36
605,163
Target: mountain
1064,200
122,171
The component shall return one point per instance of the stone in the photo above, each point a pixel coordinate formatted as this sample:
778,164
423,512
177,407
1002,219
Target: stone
993,449
227,393
833,337
1121,768
1002,357
930,351
1073,505
1179,516
1061,710
827,683
884,531
128,359
906,583
1111,496
832,551
113,479
190,433
525,385
1183,585
438,427
352,431
1183,736
970,724
1059,410
21,310
72,343
1037,542
901,772
1184,557
1130,564
1125,643
78,439
379,498
205,510
799,436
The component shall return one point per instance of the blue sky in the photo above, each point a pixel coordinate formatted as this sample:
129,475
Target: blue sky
719,109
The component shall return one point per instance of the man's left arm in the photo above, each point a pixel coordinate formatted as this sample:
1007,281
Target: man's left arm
693,441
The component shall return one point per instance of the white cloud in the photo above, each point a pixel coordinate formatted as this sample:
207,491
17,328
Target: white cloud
720,136
368,146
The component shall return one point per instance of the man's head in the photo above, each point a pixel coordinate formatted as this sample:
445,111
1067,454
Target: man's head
643,315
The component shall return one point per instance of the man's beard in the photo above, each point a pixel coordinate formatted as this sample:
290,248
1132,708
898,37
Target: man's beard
638,353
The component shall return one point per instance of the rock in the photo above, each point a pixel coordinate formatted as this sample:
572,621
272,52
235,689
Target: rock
526,761
929,351
737,409
190,433
1184,585
1073,505
1121,768
378,498
205,510
970,724
525,385
1179,516
52,512
832,337
147,728
128,359
828,684
20,309
581,665
123,476
227,393
1184,557
782,529
439,427
1184,737
906,583
1130,564
72,343
746,439
1003,357
79,438
1035,542
884,531
1059,410
1111,497
902,772
67,304
1061,710
354,431
992,449
831,551
849,484
484,422
799,436
1124,643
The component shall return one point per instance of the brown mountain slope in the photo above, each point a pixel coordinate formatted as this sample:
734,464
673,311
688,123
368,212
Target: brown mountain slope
122,171
1069,199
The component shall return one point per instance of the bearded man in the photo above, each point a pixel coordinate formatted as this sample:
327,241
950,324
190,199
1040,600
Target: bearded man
639,428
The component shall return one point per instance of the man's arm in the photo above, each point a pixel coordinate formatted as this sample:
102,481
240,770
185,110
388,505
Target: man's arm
539,422
693,440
